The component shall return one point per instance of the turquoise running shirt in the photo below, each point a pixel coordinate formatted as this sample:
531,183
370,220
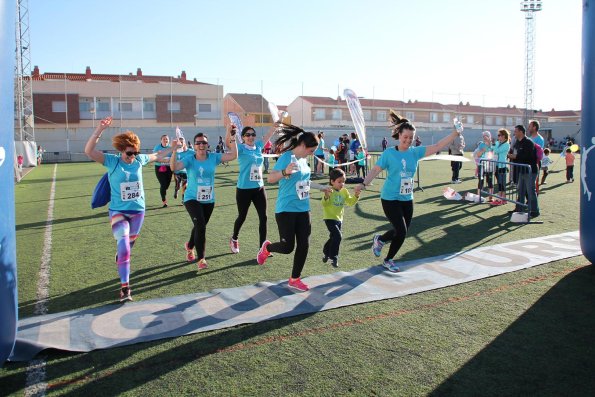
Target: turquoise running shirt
201,177
294,192
126,182
401,168
251,163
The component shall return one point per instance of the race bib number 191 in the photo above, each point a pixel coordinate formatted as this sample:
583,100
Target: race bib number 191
406,186
302,189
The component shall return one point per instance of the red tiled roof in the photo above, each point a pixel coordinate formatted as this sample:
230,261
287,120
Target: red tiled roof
395,104
251,103
112,77
563,113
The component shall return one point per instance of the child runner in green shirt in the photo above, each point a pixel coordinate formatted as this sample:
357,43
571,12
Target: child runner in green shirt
333,204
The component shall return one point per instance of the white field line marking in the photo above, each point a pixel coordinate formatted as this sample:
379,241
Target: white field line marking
36,384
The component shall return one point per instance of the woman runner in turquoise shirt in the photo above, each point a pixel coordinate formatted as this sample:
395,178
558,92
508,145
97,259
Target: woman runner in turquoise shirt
127,201
199,197
292,210
396,195
250,187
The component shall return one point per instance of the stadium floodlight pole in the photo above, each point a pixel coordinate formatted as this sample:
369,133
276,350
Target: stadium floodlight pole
529,7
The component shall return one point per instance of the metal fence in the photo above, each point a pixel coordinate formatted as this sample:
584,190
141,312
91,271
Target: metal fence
506,179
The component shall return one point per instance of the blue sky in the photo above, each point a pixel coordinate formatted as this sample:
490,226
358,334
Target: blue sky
446,51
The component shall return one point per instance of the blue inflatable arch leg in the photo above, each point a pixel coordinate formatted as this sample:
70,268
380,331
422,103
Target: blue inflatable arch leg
587,226
8,265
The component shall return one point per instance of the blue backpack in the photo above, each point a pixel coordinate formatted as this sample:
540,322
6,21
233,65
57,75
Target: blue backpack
102,193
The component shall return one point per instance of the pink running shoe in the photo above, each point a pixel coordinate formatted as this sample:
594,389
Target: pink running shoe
263,253
189,253
297,284
202,264
234,245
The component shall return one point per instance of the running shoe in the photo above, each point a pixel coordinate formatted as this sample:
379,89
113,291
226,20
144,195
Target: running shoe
234,245
391,265
164,204
297,284
175,194
324,259
263,253
377,245
189,253
125,294
202,264
335,262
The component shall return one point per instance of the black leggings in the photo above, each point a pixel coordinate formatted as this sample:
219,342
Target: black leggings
181,180
501,178
200,215
331,247
294,231
362,168
164,179
244,197
399,214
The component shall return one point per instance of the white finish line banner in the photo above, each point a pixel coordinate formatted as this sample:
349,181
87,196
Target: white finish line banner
118,325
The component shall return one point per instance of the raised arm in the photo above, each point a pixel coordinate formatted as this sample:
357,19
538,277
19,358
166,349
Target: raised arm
447,140
268,135
230,142
90,150
174,165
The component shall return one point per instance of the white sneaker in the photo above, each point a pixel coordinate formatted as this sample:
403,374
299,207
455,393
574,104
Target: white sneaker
234,245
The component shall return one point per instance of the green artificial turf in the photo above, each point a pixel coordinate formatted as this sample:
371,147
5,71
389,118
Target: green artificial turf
522,333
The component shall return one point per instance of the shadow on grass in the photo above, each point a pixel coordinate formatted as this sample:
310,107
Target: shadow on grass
549,350
96,374
459,235
57,221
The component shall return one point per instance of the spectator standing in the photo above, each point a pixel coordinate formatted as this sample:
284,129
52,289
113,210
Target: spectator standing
456,149
524,153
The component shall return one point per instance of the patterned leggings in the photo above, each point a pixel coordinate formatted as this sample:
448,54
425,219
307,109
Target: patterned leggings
125,228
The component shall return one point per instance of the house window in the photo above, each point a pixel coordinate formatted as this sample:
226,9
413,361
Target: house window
367,115
103,106
337,114
519,120
470,119
499,120
381,115
59,106
263,118
489,120
410,116
125,107
84,106
148,105
433,117
319,114
173,107
446,117
509,121
204,108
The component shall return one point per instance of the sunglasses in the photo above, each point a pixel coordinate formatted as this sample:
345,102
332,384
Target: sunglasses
132,153
250,134
201,143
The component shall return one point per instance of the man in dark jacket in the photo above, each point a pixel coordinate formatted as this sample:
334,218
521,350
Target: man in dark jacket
523,152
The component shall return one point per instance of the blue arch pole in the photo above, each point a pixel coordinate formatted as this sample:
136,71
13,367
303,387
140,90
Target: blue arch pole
587,225
8,264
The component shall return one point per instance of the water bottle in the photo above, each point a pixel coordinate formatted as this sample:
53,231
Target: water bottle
294,160
458,125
